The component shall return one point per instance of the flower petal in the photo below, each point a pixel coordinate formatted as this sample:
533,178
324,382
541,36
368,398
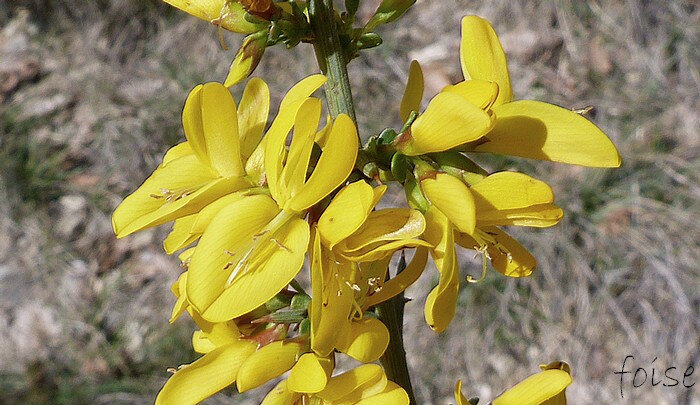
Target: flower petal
204,217
346,213
231,229
481,93
208,375
365,340
451,196
392,394
537,130
252,115
230,15
401,281
508,256
334,166
459,397
189,186
267,274
448,122
538,216
297,164
281,395
220,125
510,190
413,95
537,389
177,151
307,376
180,236
266,363
482,56
368,378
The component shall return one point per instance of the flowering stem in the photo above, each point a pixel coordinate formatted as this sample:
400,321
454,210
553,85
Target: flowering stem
331,58
394,358
332,61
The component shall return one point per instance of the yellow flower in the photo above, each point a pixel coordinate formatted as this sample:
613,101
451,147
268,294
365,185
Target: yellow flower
254,246
469,217
227,14
544,388
352,245
480,115
364,385
207,166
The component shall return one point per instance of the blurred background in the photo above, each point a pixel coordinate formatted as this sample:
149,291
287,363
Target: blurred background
90,98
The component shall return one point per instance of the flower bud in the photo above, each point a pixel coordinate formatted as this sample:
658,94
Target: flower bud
229,15
388,11
247,58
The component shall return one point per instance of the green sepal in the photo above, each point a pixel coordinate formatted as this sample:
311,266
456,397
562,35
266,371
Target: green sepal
399,167
368,40
300,302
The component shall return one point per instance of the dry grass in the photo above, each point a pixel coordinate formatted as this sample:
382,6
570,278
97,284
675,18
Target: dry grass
90,96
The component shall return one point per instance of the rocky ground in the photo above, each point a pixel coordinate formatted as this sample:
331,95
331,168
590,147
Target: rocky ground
90,98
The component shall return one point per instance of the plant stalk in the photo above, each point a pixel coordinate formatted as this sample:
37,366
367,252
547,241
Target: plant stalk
331,58
332,61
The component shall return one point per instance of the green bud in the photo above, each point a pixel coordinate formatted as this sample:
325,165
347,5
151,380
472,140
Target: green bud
300,302
305,327
388,11
399,167
414,195
369,40
247,58
277,302
460,166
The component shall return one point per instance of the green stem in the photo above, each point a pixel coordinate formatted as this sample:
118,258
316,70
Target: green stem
394,358
331,59
333,64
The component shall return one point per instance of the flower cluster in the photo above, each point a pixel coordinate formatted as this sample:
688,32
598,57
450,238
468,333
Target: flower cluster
252,202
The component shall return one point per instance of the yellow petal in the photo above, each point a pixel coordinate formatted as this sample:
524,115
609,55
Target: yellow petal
365,340
252,115
220,125
297,164
230,15
510,190
300,91
307,376
335,164
322,135
459,397
537,130
346,213
508,256
180,236
204,217
481,93
536,389
210,374
402,281
538,216
382,226
448,122
413,95
266,363
441,303
392,394
177,151
368,379
451,196
331,302
181,188
192,124
482,56
178,288
281,395
267,274
201,343
230,230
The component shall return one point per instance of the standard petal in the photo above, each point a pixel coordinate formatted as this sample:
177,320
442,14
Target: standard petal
346,213
252,115
230,230
220,125
365,340
267,363
510,190
413,95
297,164
538,389
307,376
335,164
180,236
451,196
448,122
537,130
177,151
210,374
481,93
192,124
204,217
482,56
268,272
